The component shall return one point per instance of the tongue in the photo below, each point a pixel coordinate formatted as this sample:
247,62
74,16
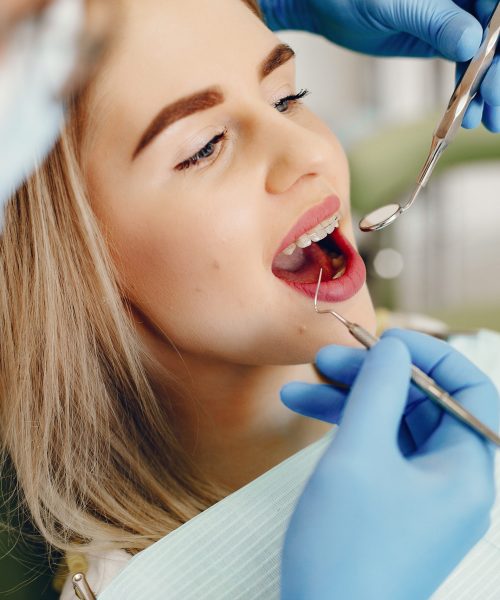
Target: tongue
304,265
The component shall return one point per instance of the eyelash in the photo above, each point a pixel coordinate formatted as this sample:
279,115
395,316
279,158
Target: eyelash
201,155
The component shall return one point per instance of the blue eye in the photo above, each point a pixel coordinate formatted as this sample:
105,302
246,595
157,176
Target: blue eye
208,150
204,153
284,103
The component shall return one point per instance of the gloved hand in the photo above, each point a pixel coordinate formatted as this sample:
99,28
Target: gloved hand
39,55
419,28
326,403
373,524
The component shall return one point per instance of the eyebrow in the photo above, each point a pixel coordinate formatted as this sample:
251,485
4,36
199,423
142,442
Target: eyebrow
205,99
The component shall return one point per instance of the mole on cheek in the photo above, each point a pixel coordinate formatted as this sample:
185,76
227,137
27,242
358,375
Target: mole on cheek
302,330
216,265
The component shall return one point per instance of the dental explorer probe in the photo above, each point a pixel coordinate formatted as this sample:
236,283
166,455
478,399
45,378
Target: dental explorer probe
423,382
465,91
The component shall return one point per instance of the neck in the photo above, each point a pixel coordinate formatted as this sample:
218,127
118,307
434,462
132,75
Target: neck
233,423
230,418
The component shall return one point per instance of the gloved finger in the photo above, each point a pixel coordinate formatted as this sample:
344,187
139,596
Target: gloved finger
452,31
490,88
326,403
378,396
406,443
483,10
491,118
456,374
342,364
474,113
318,401
482,401
468,385
450,369
402,44
422,420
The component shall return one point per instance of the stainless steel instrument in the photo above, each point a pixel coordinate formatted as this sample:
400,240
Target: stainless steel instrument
425,383
465,91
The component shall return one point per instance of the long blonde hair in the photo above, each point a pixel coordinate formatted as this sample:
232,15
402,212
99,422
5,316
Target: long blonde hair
97,462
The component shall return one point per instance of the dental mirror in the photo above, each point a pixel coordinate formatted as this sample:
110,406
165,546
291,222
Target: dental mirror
465,91
380,217
385,215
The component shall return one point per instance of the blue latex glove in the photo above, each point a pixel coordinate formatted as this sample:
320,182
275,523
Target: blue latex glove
326,403
418,28
373,524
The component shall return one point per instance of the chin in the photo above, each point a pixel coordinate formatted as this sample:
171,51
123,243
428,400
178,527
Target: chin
309,340
301,343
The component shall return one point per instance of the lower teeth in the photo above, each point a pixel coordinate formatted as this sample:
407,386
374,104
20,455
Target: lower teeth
338,263
339,274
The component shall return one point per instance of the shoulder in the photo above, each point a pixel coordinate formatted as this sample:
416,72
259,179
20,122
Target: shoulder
102,568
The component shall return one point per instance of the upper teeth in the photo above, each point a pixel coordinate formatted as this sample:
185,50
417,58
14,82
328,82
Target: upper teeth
314,235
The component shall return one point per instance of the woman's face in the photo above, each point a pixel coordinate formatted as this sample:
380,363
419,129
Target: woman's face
202,169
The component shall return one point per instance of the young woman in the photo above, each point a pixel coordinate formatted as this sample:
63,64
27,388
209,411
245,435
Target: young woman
157,280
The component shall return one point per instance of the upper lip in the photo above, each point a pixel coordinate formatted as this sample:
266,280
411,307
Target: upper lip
314,216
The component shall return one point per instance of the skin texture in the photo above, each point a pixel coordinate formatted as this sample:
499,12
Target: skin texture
13,10
194,247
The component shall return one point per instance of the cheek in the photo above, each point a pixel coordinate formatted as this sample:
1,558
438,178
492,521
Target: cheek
196,272
189,274
161,266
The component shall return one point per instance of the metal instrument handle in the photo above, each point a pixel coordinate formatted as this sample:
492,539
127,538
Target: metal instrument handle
469,84
445,401
429,387
363,336
82,588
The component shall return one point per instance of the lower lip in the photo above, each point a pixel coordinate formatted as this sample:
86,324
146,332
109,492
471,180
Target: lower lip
343,288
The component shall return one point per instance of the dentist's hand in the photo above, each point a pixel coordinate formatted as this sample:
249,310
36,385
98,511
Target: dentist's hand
341,364
373,524
419,28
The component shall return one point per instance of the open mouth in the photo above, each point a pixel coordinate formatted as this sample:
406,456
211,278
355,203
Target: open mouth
303,264
324,247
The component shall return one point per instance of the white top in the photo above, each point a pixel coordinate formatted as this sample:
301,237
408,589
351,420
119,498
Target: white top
231,551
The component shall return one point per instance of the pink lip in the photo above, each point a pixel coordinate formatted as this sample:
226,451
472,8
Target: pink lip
343,288
310,219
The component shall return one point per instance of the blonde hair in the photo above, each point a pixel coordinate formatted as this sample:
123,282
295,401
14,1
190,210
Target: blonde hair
81,418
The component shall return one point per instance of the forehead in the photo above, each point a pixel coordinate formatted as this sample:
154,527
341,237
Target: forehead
167,49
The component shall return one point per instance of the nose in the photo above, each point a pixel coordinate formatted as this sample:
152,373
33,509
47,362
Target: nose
295,154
